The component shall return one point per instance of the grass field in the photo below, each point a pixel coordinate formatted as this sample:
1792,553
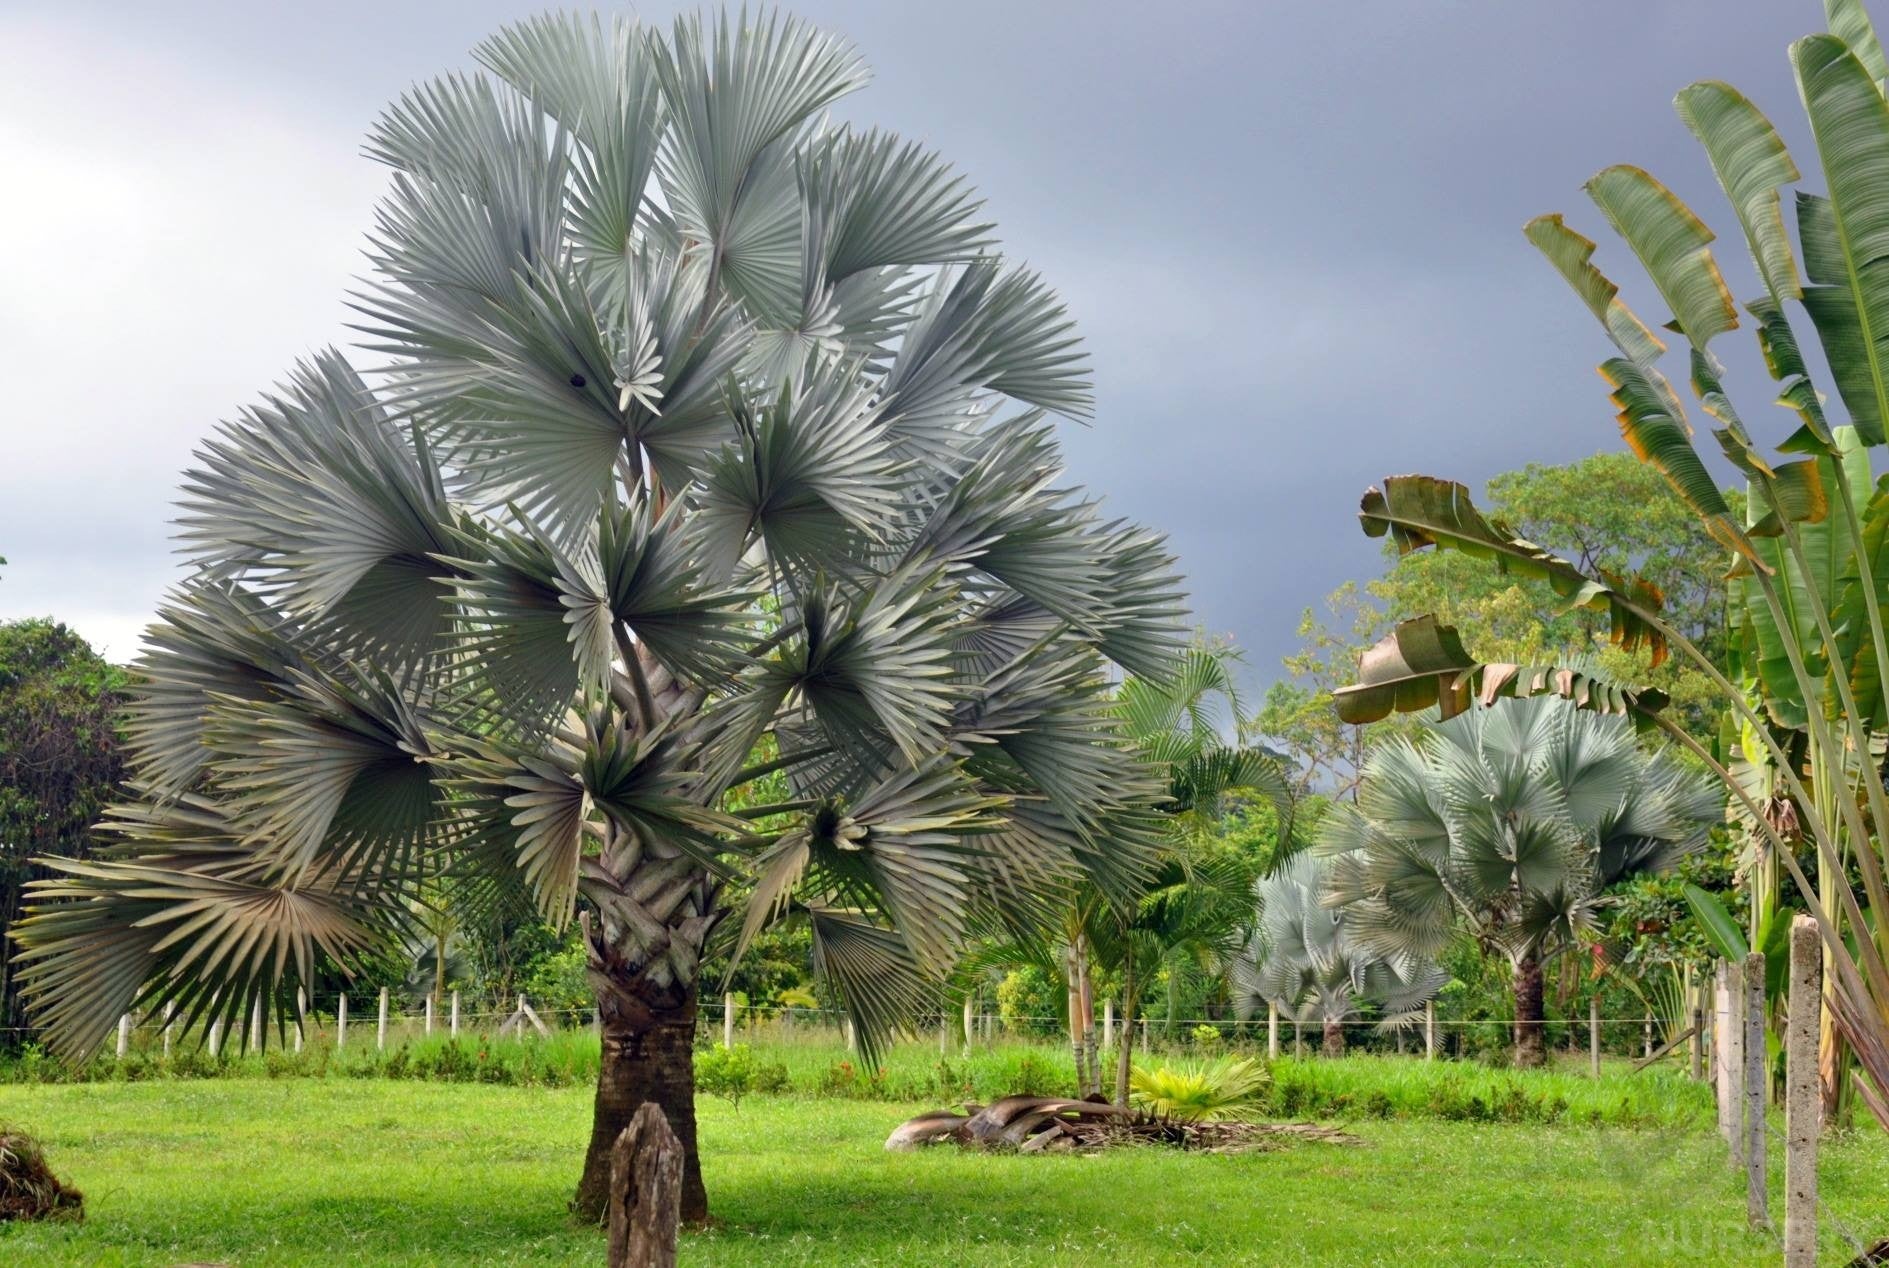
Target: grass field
300,1171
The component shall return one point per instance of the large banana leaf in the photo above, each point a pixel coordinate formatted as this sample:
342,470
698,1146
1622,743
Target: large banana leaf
1829,549
1419,511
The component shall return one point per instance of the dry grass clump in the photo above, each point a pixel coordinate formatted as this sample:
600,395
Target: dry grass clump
28,1188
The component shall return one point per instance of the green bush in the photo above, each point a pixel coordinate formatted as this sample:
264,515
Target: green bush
732,1073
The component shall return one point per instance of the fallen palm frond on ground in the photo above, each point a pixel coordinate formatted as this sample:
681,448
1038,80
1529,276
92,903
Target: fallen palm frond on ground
28,1188
1034,1124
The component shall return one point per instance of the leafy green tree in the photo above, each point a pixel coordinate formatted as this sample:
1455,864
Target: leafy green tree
60,762
1189,909
703,426
1194,908
1608,511
1506,825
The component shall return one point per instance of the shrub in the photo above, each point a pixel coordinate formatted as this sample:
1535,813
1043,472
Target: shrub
732,1073
1212,1091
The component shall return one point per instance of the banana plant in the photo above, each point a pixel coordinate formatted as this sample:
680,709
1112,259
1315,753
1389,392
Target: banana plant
1808,556
704,440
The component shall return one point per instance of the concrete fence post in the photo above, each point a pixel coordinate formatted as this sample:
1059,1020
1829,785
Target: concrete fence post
124,1036
1803,1095
428,1024
341,1022
301,1015
216,1036
1646,1037
1108,1023
1272,1031
1593,1035
1724,1045
1429,1030
1699,1034
454,1022
170,1012
728,1020
970,1023
255,1023
1756,1085
380,1034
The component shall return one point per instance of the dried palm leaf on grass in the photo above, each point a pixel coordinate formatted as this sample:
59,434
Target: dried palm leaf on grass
28,1188
1035,1124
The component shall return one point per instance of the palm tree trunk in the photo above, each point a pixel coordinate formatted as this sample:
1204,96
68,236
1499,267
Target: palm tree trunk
1529,1046
1131,1001
648,1055
1085,1014
439,969
1072,1007
1334,1037
643,960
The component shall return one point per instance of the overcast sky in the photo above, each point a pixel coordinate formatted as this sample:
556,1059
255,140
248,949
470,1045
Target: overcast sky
1289,229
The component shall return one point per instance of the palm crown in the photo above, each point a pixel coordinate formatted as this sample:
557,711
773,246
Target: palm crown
707,439
1509,822
1304,959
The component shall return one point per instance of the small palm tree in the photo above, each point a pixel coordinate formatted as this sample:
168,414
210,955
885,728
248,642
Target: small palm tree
1194,906
1507,823
707,441
1303,959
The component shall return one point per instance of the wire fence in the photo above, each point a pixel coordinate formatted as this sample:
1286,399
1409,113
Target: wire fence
384,1021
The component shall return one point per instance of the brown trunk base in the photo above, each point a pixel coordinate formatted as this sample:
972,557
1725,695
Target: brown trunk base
1530,1039
1334,1039
653,1062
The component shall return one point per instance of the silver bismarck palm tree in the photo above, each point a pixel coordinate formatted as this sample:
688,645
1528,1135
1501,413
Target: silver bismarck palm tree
1506,823
705,440
1303,958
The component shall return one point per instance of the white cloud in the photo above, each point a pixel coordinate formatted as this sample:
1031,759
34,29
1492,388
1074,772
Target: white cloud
174,243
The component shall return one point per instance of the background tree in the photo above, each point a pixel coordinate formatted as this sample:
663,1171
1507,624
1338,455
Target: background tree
1193,910
1608,511
709,445
60,762
1506,824
1303,959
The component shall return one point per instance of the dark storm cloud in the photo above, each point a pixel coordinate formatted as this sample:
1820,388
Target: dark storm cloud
1290,232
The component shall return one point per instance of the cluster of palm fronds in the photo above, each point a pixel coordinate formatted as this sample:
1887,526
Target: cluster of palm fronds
700,426
1227,1090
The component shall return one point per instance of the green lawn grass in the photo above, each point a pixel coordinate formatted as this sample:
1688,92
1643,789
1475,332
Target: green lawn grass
294,1171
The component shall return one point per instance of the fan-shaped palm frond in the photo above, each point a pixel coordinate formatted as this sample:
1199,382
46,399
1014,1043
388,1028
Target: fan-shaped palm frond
1306,959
